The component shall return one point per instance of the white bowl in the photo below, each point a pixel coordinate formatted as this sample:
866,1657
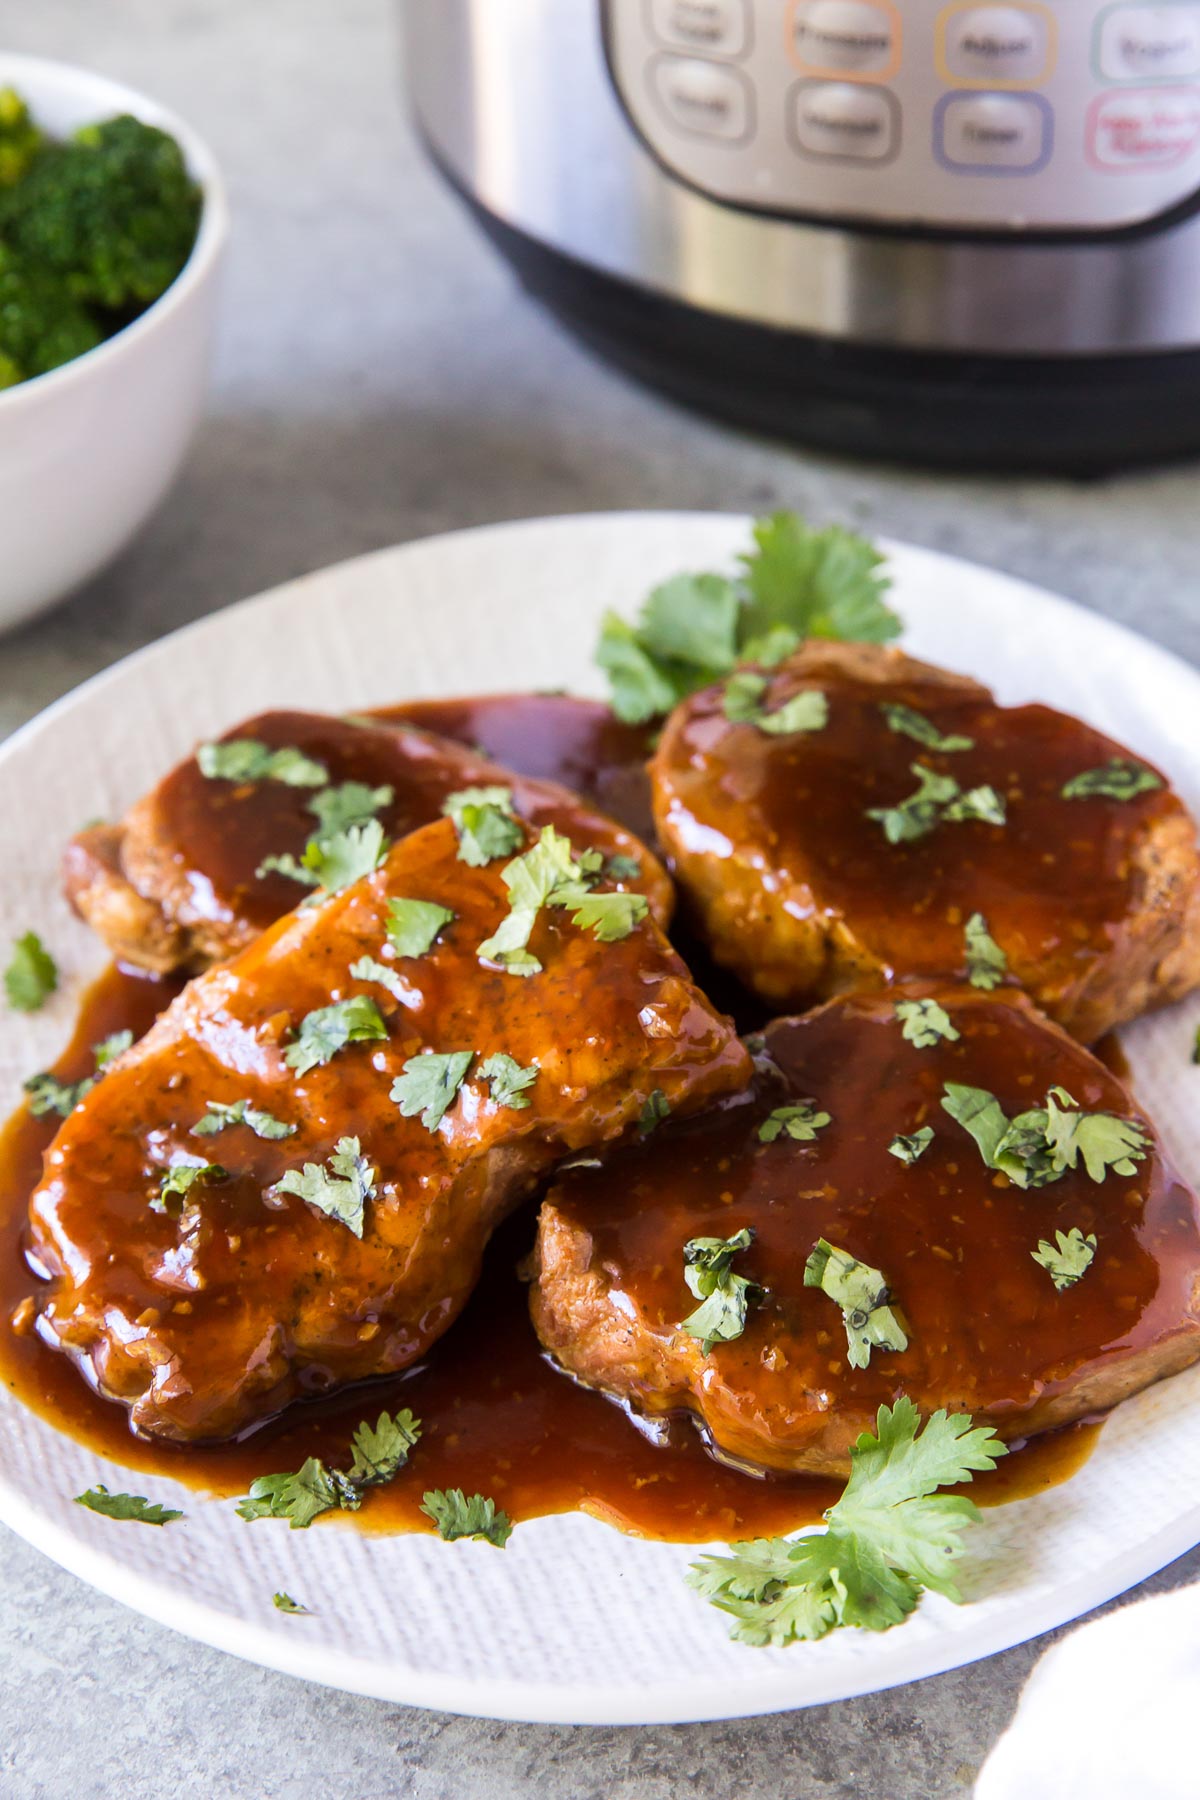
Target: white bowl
89,450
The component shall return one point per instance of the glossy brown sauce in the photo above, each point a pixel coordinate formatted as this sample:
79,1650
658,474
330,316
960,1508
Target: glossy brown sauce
497,1418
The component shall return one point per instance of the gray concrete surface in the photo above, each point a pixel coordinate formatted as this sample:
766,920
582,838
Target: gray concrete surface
380,377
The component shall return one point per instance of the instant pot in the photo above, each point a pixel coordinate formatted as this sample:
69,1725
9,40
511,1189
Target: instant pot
957,233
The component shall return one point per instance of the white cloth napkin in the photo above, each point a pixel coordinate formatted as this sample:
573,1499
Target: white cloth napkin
1111,1713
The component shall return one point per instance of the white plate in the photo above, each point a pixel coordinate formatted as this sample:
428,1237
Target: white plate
574,1622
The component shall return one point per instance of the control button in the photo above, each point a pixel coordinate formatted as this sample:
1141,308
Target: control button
993,133
702,97
834,119
1149,129
712,27
1149,43
995,43
846,37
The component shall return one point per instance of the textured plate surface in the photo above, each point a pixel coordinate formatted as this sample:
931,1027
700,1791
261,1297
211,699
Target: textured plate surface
573,1622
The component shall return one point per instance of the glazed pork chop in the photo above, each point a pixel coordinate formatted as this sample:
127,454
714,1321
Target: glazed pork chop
181,881
855,817
277,1191
946,1275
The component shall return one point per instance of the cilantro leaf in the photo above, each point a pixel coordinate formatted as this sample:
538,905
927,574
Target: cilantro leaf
806,711
925,1023
366,968
483,818
47,1094
109,1048
413,925
290,866
987,964
346,856
610,917
178,1183
655,1109
908,722
457,1517
508,1080
350,803
1118,779
888,1537
937,800
32,975
622,868
378,1452
285,1604
126,1506
1039,1146
910,1149
1068,1258
816,583
430,1083
330,1028
693,629
531,880
800,1121
382,1449
864,1297
726,1298
340,1192
246,759
222,1114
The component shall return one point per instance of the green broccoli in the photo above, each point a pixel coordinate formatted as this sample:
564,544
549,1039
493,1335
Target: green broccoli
113,213
41,323
20,139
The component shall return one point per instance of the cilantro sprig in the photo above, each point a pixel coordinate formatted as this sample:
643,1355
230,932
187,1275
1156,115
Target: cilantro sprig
1040,1146
797,582
743,705
221,1114
908,722
871,1321
925,1023
378,1452
987,965
937,800
429,1084
32,974
1068,1258
550,874
47,1093
332,861
456,1516
726,1297
330,1028
486,825
340,1190
247,759
888,1538
1117,779
800,1120
134,1507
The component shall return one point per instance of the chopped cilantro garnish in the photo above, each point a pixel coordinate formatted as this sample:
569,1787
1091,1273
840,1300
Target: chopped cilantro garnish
507,1080
179,1181
909,1149
1039,1146
457,1517
221,1114
367,968
430,1083
805,711
987,964
351,803
1068,1258
864,1297
32,975
285,1604
726,1298
340,1191
610,917
1118,779
908,722
330,1028
925,1023
483,818
246,759
109,1048
126,1506
885,1540
332,862
413,925
47,1094
800,1121
530,880
379,1452
693,629
937,800
654,1111
622,868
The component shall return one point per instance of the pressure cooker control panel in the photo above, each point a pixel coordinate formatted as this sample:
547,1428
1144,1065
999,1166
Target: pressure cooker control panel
1078,117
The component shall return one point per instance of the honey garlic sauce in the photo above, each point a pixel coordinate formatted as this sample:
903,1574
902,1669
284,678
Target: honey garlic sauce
496,1417
1058,882
988,1332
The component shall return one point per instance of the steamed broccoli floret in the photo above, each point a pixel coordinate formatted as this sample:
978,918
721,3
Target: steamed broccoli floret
20,139
113,213
41,323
